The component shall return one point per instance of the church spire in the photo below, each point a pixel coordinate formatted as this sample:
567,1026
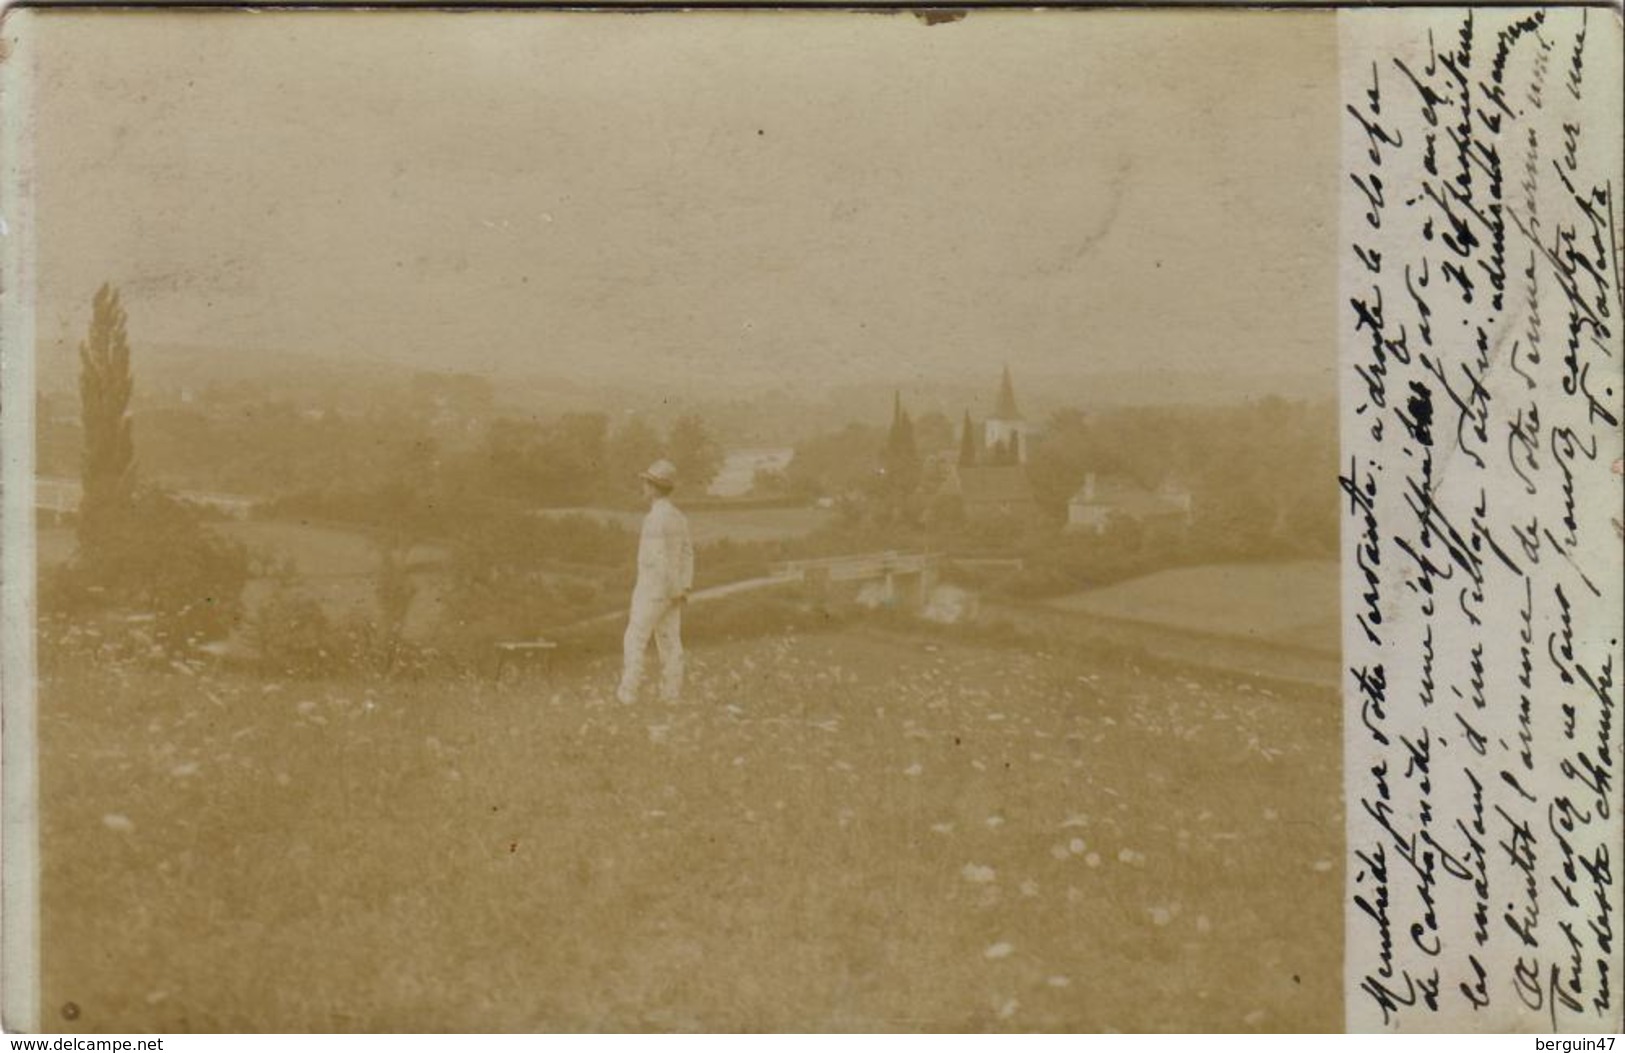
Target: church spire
1006,407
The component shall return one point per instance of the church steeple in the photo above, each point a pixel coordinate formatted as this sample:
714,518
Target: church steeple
1005,432
1006,407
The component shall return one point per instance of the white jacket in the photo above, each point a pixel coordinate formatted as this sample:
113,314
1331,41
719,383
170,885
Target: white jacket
665,554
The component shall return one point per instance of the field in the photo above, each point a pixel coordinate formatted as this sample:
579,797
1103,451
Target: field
859,828
1285,603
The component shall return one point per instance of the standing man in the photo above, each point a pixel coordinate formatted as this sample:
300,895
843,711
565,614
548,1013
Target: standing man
665,574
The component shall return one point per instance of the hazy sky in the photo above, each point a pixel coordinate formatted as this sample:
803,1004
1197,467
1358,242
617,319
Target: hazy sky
802,196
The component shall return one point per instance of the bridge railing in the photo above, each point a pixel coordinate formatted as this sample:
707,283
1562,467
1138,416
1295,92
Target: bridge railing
868,565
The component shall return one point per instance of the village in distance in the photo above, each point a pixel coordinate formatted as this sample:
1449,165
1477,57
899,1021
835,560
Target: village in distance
437,512
1030,655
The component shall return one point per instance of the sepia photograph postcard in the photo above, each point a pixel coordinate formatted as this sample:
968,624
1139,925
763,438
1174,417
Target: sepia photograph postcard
750,519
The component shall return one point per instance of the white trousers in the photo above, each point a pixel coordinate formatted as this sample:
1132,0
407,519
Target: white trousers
663,621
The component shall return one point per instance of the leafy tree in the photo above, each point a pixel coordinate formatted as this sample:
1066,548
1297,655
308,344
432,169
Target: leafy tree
557,463
161,561
1058,465
632,448
573,455
511,459
837,463
933,433
901,458
696,454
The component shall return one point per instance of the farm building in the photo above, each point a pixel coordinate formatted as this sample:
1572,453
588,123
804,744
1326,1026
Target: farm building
1102,500
992,491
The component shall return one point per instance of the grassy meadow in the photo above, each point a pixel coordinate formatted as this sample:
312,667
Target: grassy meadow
1293,603
863,828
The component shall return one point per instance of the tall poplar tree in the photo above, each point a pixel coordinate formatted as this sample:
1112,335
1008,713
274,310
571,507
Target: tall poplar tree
107,470
967,443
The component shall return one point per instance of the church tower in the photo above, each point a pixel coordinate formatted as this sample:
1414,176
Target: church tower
1004,434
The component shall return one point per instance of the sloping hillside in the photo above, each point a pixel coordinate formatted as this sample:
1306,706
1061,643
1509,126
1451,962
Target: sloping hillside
843,830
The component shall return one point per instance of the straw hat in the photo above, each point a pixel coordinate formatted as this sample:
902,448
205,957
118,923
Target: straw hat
662,475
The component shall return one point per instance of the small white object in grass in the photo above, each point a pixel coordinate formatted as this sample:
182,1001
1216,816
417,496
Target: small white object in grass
942,828
1059,981
1076,820
995,821
913,769
1126,855
739,761
115,821
1322,865
1008,1009
1160,915
1076,846
997,951
977,873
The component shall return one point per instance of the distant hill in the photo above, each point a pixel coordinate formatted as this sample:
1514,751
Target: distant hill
745,407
